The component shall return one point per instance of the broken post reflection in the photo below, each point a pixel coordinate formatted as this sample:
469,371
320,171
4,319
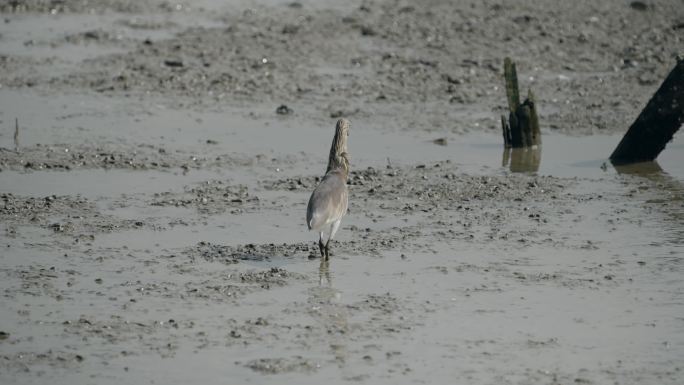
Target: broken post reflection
673,206
522,159
651,169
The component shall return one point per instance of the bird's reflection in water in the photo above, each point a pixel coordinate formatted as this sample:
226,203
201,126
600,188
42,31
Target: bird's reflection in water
324,294
330,313
324,273
526,159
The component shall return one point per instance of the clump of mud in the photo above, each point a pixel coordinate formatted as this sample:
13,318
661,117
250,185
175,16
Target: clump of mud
54,359
210,197
456,205
282,365
31,209
64,215
74,6
249,252
143,157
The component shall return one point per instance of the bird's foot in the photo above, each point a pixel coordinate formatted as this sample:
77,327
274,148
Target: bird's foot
322,248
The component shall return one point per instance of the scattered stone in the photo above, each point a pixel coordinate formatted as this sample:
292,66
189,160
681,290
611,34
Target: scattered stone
284,110
173,63
368,31
639,6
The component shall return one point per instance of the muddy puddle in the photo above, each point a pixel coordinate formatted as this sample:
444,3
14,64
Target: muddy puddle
152,212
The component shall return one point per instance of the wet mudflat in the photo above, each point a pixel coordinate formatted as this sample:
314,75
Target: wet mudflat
152,219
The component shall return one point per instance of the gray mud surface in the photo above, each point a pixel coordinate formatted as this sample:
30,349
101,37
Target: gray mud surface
152,212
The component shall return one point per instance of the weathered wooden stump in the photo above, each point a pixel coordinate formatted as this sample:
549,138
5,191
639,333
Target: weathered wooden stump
522,127
657,123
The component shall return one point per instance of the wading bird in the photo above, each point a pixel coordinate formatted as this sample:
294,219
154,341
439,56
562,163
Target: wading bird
328,202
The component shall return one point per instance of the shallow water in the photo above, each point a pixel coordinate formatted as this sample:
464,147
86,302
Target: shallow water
374,145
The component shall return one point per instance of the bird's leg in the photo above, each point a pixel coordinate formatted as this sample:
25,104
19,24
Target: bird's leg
333,230
320,245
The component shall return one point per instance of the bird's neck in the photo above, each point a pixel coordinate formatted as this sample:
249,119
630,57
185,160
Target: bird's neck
338,158
339,162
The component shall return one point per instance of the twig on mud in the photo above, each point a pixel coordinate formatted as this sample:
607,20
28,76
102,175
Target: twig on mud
16,134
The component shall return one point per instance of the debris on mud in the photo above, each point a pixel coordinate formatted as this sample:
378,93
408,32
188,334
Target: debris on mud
249,252
282,365
31,209
75,6
266,278
76,215
23,361
213,196
68,157
284,110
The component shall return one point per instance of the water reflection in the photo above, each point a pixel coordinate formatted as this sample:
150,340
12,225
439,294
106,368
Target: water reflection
650,170
330,313
525,159
670,197
324,272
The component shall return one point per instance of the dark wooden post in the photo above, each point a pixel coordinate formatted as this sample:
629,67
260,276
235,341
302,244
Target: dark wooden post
657,123
522,128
